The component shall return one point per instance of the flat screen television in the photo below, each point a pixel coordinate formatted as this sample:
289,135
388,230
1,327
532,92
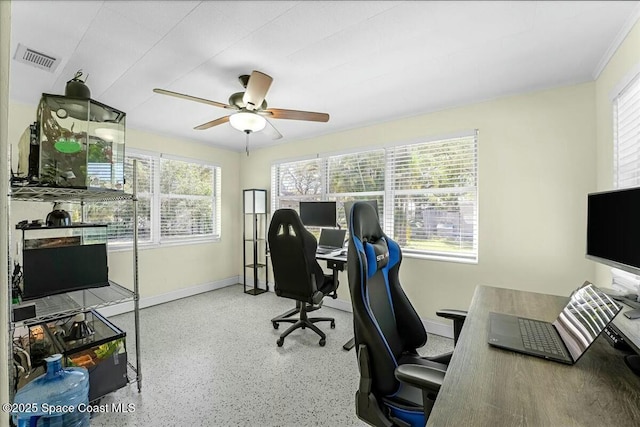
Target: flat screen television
55,270
318,214
613,228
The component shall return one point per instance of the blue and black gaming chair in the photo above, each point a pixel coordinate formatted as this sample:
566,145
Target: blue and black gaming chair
397,386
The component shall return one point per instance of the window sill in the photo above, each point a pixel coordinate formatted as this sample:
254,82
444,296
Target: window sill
435,257
145,246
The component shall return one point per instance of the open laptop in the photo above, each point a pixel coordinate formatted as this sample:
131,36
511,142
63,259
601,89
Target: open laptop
331,240
565,340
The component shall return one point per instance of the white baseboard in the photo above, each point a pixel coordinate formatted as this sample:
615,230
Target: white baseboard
169,296
338,304
437,328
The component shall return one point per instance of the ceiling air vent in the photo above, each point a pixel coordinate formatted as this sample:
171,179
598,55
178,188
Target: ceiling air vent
36,59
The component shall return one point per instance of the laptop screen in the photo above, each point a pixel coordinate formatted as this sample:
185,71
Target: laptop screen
588,312
331,237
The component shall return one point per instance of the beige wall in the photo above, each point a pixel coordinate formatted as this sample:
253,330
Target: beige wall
536,163
624,64
168,268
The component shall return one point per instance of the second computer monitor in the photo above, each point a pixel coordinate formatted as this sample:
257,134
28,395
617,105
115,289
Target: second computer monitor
318,214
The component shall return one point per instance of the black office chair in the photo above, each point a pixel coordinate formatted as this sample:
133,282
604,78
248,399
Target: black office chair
397,386
296,272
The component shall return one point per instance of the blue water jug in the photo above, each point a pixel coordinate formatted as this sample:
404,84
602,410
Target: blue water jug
58,398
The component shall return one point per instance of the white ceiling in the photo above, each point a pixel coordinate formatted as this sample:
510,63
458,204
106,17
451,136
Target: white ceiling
360,61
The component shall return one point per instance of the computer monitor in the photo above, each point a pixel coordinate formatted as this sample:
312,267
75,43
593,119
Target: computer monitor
318,214
613,228
51,271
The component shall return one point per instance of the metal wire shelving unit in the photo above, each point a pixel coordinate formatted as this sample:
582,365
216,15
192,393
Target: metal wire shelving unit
60,306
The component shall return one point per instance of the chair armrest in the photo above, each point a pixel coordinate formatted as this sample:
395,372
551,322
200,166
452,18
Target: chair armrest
420,376
458,317
452,314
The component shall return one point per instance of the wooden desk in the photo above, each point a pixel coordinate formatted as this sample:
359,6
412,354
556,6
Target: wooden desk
486,386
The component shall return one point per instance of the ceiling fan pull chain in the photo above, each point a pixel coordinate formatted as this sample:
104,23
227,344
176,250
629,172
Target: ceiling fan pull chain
247,142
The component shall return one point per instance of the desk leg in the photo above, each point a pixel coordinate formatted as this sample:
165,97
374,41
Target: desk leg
335,267
349,344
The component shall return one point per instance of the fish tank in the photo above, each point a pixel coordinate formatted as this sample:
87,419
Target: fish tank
81,143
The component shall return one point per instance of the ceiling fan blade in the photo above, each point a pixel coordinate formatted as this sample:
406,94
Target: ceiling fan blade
271,130
212,123
194,98
278,113
257,87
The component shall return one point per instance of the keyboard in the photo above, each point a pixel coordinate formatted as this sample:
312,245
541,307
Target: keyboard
539,336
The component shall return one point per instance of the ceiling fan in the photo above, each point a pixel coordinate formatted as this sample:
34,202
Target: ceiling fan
250,107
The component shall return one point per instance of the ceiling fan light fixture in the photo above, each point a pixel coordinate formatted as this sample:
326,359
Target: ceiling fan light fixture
245,121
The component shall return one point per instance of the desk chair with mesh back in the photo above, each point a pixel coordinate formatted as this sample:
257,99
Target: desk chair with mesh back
296,272
397,386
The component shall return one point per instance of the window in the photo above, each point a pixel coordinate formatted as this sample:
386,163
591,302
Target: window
626,156
426,192
188,202
178,200
358,176
433,194
119,215
296,182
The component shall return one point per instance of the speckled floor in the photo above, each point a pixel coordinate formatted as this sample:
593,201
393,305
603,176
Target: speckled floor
212,360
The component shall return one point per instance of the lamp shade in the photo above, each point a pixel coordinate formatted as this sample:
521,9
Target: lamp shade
246,121
255,201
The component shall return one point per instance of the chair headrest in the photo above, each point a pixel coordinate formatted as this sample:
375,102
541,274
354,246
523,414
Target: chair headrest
364,223
287,216
366,228
377,256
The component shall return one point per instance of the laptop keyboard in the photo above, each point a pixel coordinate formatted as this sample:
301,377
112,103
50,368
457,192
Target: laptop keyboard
539,336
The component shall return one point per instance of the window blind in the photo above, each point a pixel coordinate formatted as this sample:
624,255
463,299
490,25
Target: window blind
188,205
356,176
433,197
119,215
293,182
626,158
627,136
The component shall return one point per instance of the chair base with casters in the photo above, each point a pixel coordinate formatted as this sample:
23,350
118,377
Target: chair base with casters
303,322
284,317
